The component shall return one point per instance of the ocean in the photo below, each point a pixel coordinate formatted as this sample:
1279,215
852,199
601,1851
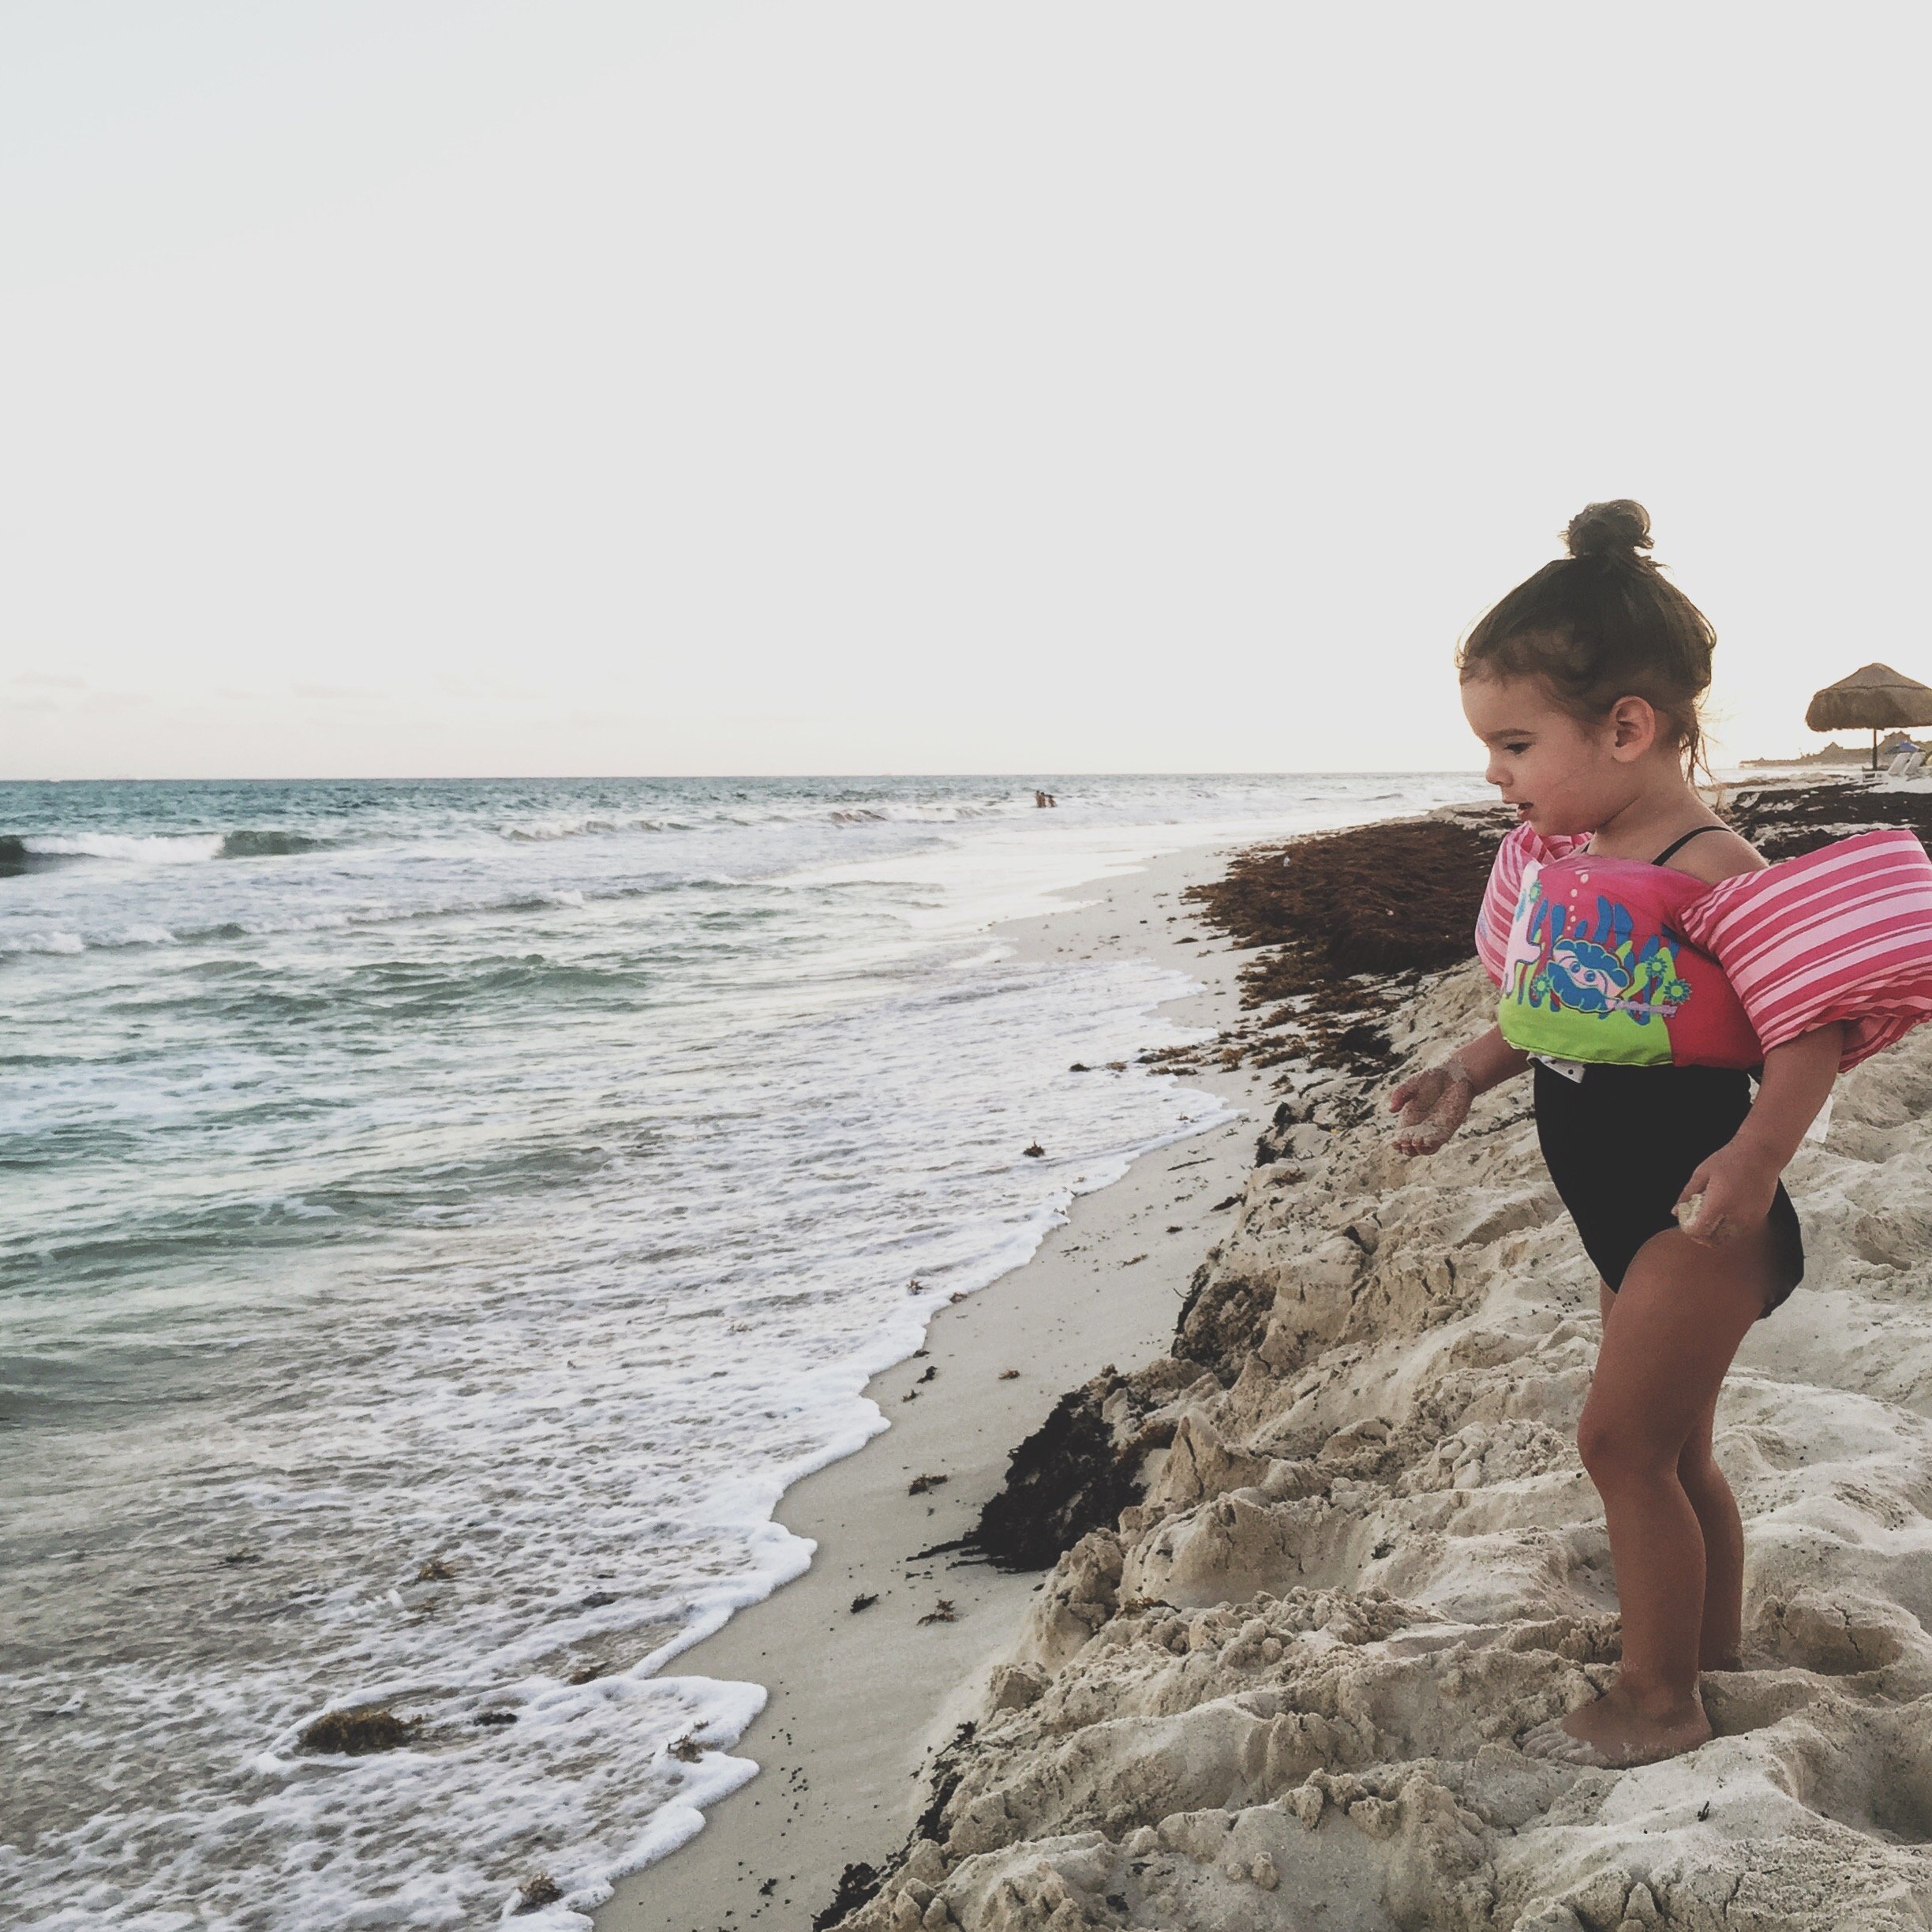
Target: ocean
440,1220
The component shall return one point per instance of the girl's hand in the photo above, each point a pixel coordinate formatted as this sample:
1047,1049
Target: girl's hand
1738,1185
1433,1106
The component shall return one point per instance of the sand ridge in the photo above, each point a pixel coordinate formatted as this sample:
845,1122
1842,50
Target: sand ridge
1285,1692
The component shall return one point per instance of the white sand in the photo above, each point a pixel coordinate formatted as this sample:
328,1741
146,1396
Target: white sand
857,1701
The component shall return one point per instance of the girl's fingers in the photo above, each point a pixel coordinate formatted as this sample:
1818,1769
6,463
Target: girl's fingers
1712,1222
1433,1107
1426,1129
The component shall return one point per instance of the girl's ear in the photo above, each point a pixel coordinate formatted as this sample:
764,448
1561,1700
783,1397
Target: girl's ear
1633,728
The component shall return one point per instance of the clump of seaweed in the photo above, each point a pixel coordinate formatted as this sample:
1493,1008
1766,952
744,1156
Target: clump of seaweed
857,1886
357,1733
1068,1477
1787,821
946,1611
688,1749
944,1772
1344,917
537,1891
920,1484
1222,1320
1396,897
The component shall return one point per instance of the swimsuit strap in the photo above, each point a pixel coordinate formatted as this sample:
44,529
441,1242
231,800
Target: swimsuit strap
1677,845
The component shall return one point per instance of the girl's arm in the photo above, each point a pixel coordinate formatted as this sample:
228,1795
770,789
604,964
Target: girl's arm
1738,1181
1433,1104
1492,1059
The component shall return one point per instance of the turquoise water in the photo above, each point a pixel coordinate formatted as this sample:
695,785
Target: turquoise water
440,1220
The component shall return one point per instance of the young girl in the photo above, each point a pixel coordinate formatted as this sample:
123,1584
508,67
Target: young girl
1584,683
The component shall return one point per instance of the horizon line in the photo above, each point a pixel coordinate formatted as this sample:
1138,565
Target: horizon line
1023,776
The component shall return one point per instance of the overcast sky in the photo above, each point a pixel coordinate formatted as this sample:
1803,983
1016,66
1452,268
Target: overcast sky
640,386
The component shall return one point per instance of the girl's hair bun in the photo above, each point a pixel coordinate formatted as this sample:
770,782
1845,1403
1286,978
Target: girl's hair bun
1602,623
1619,528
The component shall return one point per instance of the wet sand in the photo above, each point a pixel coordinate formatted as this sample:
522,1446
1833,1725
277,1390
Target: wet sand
858,1701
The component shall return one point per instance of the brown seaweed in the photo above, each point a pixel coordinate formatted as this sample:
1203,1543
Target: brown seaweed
537,1891
1342,921
857,1886
1787,821
357,1733
1066,1478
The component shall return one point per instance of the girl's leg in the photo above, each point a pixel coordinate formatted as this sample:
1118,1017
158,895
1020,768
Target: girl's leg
1723,1547
1717,1516
1679,1315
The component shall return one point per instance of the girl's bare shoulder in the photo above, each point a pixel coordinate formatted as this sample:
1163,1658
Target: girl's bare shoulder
1719,854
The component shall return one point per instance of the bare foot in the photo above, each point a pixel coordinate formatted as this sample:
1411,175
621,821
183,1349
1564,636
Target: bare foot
1613,1734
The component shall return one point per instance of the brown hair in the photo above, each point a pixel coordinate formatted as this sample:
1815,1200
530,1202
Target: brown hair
1599,625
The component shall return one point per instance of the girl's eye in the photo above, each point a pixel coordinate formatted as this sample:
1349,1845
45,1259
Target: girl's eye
1516,751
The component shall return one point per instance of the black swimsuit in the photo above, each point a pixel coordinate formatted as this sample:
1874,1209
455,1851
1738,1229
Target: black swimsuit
1621,1141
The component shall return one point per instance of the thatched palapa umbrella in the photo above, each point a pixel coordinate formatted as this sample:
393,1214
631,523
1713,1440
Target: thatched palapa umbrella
1875,698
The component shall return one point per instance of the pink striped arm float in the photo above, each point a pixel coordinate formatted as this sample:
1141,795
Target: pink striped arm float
1505,876
1844,933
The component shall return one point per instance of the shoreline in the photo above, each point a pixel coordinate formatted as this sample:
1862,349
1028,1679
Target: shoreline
858,1702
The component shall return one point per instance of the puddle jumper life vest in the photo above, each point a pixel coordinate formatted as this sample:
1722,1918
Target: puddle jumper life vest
1614,961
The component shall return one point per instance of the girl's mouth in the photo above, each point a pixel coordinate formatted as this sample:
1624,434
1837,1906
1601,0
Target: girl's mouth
1523,811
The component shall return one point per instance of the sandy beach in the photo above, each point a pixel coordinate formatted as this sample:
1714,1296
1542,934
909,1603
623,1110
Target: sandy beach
860,1701
1284,1689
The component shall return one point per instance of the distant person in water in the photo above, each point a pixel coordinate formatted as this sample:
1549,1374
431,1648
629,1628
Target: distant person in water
1044,799
1648,1002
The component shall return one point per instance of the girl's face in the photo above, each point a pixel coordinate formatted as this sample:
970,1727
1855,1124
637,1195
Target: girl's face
1562,775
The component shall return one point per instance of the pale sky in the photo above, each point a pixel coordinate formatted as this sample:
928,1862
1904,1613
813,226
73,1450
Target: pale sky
423,387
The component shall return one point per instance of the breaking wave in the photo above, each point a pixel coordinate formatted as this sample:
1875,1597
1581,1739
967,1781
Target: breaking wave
41,851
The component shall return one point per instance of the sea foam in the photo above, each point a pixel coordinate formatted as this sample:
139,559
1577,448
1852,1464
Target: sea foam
451,1246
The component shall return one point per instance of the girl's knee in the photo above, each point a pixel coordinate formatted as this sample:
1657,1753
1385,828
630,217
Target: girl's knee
1697,1470
1696,1464
1614,1446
